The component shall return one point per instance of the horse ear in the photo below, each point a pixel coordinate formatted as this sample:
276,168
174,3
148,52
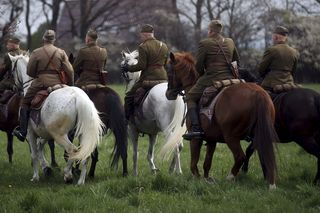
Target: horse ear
172,57
123,54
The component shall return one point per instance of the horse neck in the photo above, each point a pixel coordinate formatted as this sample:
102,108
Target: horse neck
134,77
189,80
22,77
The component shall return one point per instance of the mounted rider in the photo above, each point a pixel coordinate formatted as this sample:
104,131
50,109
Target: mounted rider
153,56
278,63
213,57
6,76
45,65
90,62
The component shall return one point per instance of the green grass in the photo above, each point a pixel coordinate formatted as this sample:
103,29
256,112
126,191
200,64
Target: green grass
164,192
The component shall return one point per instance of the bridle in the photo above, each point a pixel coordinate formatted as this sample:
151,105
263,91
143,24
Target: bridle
20,86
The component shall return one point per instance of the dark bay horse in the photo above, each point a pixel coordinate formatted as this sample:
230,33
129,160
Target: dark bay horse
109,104
241,110
297,119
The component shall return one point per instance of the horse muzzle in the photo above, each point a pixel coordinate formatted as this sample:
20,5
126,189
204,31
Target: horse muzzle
172,94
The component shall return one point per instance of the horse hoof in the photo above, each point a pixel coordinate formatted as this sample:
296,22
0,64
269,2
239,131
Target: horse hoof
68,180
34,179
125,174
272,187
76,171
54,165
155,171
210,180
244,169
47,172
230,177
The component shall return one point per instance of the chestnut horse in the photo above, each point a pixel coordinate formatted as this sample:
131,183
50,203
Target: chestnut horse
241,110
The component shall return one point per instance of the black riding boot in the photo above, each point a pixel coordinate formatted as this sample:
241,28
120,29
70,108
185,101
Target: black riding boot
21,131
196,131
128,107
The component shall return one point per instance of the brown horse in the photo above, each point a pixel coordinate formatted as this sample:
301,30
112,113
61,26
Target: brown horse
241,110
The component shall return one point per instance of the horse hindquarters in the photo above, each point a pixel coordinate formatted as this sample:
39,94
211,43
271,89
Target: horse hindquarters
265,135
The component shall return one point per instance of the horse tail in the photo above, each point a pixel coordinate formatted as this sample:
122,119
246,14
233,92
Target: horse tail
89,127
265,135
117,123
173,133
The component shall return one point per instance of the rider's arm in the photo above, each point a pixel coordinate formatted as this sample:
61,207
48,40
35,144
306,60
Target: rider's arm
32,68
67,67
201,57
265,63
77,64
5,66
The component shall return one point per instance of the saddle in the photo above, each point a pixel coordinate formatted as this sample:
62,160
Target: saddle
211,94
280,88
38,100
141,94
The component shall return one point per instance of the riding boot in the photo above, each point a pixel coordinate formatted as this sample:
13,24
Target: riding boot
21,131
196,131
128,107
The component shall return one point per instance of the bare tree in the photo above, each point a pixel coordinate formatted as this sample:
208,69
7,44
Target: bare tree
54,9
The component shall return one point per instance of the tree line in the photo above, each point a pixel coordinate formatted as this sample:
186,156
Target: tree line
180,23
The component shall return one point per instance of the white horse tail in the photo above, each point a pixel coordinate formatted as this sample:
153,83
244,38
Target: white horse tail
174,131
89,127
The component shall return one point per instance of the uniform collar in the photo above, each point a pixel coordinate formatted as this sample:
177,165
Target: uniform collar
92,43
281,42
148,39
216,37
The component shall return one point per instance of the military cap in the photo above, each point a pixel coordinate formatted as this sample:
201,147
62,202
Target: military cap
14,40
281,30
147,28
215,26
49,35
92,34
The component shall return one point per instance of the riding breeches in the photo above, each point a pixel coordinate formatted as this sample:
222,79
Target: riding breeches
35,87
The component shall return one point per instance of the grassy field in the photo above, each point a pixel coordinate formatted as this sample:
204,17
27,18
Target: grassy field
164,192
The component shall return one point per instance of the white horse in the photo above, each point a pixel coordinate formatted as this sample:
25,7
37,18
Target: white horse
65,109
161,115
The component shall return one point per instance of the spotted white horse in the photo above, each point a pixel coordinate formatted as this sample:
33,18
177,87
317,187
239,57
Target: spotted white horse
65,109
160,115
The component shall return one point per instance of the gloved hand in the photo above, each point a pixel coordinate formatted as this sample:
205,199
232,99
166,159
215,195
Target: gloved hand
124,67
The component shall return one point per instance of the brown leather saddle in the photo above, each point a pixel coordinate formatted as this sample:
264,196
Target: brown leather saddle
211,94
38,101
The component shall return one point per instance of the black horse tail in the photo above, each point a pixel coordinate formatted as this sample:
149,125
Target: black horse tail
265,135
117,123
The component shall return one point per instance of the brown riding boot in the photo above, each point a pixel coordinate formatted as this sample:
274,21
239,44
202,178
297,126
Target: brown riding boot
196,131
21,131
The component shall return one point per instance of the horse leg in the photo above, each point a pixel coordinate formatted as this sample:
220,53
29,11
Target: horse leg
94,160
134,139
313,148
10,146
43,162
195,147
249,152
68,178
53,157
175,163
150,157
34,155
208,161
83,172
238,155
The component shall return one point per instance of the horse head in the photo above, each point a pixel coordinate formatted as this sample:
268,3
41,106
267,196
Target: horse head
19,70
130,58
181,73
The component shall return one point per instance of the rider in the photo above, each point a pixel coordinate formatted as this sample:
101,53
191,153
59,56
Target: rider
90,61
43,66
7,80
153,56
279,61
211,66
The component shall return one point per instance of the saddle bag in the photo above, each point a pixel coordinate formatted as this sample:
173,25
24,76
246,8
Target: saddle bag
139,95
285,87
208,94
39,99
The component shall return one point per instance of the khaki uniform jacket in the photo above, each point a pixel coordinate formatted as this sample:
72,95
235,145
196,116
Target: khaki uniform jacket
45,72
277,65
88,64
153,56
212,65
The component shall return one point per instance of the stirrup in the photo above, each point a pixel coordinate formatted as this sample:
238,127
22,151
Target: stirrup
17,132
193,135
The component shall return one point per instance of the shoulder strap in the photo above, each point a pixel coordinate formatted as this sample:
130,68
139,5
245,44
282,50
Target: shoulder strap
50,59
220,47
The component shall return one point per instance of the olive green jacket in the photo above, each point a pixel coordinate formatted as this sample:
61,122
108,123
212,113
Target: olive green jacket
88,64
277,65
45,72
211,63
153,56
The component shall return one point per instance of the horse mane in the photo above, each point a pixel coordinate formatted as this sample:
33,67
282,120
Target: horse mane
186,62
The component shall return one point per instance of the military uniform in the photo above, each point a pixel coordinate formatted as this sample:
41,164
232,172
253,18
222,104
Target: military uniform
153,56
45,73
277,65
212,65
89,63
7,80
